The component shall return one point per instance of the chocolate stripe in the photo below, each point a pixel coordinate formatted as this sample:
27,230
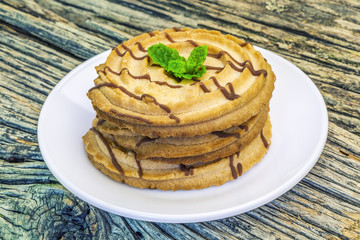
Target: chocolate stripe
163,106
266,144
244,127
131,53
144,140
140,172
118,52
229,95
188,170
246,64
192,43
219,55
177,29
204,88
222,134
128,50
169,38
233,170
100,122
243,44
218,69
146,76
141,48
112,156
250,67
172,116
130,94
167,84
239,168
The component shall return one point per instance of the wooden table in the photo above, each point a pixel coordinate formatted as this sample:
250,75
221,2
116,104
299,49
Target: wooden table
43,40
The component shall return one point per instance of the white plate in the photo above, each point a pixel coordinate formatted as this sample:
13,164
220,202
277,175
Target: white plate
300,123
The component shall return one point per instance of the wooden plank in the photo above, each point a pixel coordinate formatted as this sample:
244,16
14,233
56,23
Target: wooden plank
35,48
43,40
60,34
247,227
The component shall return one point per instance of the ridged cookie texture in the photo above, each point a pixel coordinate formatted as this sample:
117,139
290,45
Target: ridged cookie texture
152,131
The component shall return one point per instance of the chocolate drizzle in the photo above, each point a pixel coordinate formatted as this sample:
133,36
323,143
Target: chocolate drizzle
219,55
141,48
132,54
229,95
222,134
140,172
239,168
244,127
188,170
153,99
248,66
172,116
145,76
112,85
233,170
128,50
130,94
204,88
243,44
169,38
266,144
144,140
112,156
142,97
100,122
177,29
218,69
167,84
192,42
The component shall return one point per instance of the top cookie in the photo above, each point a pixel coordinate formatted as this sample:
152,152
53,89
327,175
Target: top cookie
133,92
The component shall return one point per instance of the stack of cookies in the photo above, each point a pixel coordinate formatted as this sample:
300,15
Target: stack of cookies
154,130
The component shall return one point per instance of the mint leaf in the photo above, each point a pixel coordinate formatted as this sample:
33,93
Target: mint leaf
178,66
162,54
196,59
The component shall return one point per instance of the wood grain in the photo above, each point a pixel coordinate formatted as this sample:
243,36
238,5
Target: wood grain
43,40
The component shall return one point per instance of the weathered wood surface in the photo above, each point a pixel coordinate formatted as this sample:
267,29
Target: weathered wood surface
42,40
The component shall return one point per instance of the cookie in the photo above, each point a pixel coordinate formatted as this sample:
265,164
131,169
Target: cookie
133,93
168,176
172,128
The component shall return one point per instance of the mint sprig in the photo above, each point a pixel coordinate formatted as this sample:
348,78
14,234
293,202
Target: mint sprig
178,66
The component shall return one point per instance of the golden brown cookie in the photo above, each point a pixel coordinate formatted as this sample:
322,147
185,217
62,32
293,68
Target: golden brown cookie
155,175
187,149
155,130
133,93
